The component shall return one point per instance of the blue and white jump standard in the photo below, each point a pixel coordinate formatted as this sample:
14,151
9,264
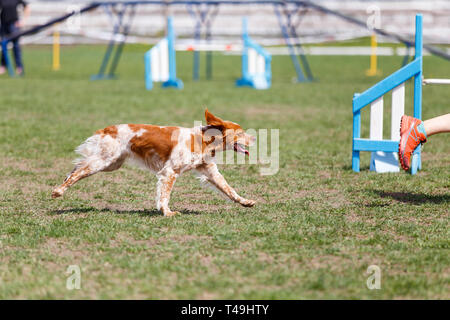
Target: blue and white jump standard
384,156
160,64
256,63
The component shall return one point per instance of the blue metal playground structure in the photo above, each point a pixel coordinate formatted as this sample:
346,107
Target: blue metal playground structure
372,95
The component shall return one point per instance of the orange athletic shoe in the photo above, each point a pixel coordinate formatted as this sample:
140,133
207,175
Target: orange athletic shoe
412,133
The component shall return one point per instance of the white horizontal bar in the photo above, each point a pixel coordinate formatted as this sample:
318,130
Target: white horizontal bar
436,81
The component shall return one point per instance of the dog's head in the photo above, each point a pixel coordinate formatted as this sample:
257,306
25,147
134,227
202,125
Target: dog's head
226,135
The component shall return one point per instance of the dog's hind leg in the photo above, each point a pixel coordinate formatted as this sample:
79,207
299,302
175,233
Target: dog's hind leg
98,155
84,170
76,175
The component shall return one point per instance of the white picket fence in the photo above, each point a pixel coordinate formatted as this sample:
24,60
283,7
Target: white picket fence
385,161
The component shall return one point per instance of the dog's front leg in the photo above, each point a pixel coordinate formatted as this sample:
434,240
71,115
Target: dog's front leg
217,180
166,180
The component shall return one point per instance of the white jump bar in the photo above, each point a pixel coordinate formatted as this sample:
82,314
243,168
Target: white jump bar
436,81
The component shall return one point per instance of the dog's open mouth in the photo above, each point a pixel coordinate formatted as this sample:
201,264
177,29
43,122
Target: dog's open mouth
240,148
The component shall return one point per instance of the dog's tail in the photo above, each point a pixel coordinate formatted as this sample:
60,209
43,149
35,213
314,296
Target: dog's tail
88,149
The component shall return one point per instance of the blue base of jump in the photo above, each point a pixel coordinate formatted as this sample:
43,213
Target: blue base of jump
256,83
243,82
173,83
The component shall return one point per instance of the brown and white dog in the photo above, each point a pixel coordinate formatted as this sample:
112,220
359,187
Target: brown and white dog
166,151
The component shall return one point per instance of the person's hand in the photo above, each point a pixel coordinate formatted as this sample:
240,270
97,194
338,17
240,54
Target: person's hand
19,24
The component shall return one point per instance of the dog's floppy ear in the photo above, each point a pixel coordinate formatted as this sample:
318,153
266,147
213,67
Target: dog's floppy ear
212,120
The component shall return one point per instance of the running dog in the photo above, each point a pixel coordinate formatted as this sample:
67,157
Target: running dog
166,151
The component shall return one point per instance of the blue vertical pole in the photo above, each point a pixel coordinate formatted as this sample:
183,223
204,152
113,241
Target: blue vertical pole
148,71
416,160
170,38
173,81
245,48
356,134
268,70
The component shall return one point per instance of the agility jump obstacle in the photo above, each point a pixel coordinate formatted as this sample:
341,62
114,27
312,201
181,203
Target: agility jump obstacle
160,64
384,156
256,68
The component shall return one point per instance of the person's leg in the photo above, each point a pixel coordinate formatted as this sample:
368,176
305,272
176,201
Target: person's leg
17,51
3,62
18,57
436,125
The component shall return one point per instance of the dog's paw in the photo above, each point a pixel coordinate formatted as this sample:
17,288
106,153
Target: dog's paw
56,193
248,203
171,213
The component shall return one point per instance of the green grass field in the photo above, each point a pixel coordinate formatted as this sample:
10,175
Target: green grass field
317,225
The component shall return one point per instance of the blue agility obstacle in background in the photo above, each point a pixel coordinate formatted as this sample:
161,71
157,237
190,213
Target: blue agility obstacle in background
381,161
256,63
160,64
122,18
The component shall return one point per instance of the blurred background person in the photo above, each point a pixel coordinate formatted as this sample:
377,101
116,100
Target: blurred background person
9,24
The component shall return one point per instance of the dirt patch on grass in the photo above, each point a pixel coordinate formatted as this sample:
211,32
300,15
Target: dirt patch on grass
353,216
122,238
22,164
281,113
432,157
63,249
37,166
331,262
50,256
331,197
208,262
268,110
22,188
266,258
